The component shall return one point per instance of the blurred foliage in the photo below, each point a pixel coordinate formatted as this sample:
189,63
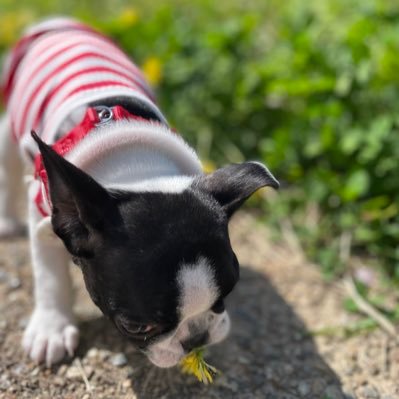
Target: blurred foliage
309,87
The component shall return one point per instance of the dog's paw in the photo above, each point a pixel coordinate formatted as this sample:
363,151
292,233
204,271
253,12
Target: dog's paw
50,335
11,228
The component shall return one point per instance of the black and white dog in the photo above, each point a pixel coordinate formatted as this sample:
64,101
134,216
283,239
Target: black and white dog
117,192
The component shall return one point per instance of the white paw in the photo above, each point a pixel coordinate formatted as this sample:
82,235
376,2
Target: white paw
49,336
10,228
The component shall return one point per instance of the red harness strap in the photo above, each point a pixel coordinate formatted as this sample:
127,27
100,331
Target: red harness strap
90,121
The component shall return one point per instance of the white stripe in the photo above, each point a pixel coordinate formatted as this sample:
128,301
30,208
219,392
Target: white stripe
89,62
74,83
53,23
164,184
78,82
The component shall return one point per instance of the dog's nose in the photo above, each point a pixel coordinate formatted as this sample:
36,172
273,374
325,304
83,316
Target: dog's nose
195,341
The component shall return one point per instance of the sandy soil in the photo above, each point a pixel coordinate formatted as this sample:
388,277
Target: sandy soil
269,353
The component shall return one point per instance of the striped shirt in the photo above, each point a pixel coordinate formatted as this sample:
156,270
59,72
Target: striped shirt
59,66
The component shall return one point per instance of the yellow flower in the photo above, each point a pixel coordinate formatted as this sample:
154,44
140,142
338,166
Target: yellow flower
208,166
195,364
128,17
152,70
11,25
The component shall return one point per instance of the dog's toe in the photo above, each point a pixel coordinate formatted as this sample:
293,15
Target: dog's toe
38,351
71,339
49,336
55,349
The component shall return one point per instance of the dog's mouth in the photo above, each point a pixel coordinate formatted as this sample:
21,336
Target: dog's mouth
169,351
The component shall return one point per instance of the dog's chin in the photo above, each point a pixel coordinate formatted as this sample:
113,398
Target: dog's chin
165,358
169,352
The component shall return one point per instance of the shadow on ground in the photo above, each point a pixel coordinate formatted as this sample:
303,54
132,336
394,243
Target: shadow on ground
267,355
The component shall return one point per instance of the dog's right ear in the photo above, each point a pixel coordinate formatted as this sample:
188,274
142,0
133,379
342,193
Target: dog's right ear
79,203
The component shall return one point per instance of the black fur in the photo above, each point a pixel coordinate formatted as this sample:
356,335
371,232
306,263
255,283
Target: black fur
130,245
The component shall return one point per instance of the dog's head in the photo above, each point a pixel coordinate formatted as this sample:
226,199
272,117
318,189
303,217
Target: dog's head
158,264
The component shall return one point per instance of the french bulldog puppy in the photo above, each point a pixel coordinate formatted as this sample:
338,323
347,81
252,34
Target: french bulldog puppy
118,192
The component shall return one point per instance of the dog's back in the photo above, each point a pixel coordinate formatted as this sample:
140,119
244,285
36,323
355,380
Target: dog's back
59,66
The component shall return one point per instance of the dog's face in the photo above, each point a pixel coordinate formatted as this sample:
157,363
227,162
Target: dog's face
158,264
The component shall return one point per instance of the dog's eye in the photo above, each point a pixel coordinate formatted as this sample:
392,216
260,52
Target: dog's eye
132,328
136,329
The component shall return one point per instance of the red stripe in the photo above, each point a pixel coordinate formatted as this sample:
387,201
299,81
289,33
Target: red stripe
56,89
17,54
94,85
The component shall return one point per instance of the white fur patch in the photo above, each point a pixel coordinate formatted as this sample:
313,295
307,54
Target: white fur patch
137,156
198,289
198,292
167,184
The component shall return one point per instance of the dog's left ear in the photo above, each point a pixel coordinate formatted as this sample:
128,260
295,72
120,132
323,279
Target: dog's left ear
79,203
234,183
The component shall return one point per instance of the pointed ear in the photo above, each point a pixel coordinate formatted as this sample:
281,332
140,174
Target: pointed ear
79,203
234,183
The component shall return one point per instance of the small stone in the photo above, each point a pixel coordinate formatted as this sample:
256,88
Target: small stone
5,382
127,384
243,360
73,373
62,370
19,369
92,353
22,324
3,276
303,388
103,354
35,371
230,384
59,381
333,392
288,369
86,396
3,324
370,393
13,389
89,371
130,371
119,360
318,386
14,283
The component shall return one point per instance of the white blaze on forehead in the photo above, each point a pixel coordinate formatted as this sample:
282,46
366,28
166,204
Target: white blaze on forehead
198,289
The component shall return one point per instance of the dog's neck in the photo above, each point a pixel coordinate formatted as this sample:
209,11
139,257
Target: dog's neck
137,156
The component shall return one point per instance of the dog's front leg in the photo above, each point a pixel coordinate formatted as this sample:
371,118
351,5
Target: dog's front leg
51,332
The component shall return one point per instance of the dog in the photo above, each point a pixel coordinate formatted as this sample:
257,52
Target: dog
114,189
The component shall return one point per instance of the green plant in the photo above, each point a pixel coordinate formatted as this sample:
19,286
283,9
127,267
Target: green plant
310,88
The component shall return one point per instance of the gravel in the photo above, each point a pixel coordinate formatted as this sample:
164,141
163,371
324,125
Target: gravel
119,360
269,353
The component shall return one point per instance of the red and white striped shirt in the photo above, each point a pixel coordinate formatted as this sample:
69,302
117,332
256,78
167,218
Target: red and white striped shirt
59,66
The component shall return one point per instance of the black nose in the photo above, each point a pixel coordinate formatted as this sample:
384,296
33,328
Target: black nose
195,341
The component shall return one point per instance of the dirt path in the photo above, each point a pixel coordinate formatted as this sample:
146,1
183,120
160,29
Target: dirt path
269,354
